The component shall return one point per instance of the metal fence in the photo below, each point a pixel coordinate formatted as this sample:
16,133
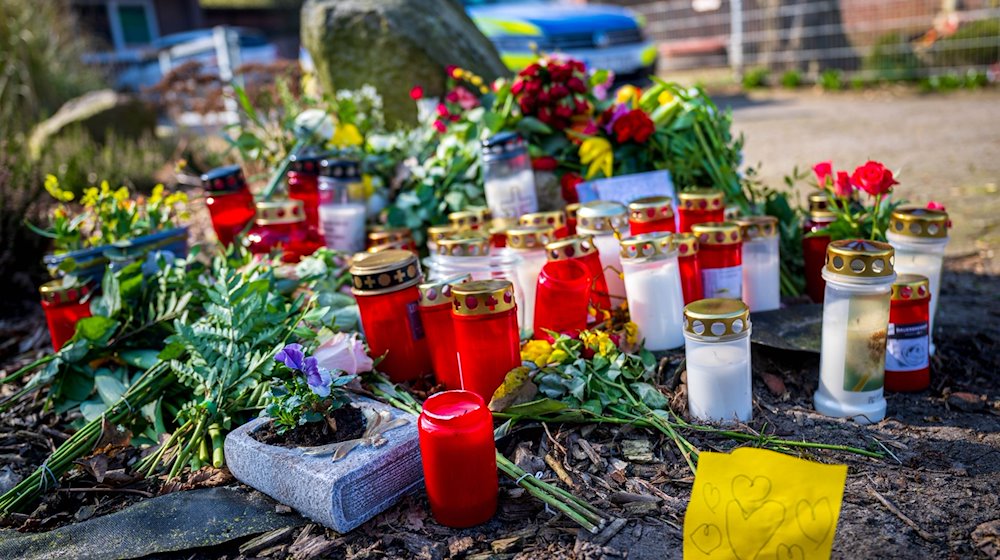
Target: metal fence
865,39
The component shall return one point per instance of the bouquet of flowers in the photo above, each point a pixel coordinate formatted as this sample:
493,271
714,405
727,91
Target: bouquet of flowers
857,219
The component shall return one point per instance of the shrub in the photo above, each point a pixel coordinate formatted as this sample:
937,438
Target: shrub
791,79
892,58
79,161
974,44
831,80
755,78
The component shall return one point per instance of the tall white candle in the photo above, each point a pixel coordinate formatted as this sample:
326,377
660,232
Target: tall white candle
761,263
653,285
607,247
604,219
343,226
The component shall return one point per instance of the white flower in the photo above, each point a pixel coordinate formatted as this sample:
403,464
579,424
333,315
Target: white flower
344,352
315,120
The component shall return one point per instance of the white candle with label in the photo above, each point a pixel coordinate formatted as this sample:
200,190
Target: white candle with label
655,300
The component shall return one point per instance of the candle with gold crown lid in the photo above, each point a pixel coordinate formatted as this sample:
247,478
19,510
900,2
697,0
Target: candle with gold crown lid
814,247
435,314
583,250
720,257
687,262
470,252
761,262
281,225
553,219
919,237
397,237
571,210
653,285
508,180
717,354
303,184
651,213
229,202
487,336
696,206
907,363
605,220
859,276
436,233
528,242
341,215
64,303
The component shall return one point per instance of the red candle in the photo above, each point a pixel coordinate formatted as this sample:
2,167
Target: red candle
459,458
385,285
435,314
581,248
571,218
814,252
64,306
720,257
554,220
229,202
562,298
486,334
303,184
907,364
650,214
697,206
687,261
281,226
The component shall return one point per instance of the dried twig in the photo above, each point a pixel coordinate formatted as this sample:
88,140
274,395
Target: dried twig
902,517
553,463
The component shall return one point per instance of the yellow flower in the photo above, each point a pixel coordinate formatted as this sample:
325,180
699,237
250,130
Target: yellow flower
598,341
53,188
484,90
665,97
558,356
537,351
458,73
369,185
346,135
157,194
476,81
176,198
59,212
596,153
121,195
631,332
89,197
105,188
628,94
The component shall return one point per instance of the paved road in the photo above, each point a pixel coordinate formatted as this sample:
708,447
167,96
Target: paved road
946,147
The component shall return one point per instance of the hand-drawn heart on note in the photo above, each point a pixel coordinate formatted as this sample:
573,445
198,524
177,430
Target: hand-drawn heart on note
706,538
793,552
712,496
815,520
749,532
751,493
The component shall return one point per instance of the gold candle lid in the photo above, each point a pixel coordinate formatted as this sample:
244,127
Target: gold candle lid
483,297
571,210
650,209
648,245
572,247
818,202
439,292
554,219
716,317
466,219
58,292
686,243
700,199
384,272
391,245
436,233
717,233
909,287
464,246
601,216
529,237
499,226
919,222
860,258
275,212
822,216
381,235
757,227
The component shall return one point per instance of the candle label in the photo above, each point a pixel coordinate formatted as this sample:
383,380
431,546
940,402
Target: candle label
512,197
864,362
413,318
906,347
726,282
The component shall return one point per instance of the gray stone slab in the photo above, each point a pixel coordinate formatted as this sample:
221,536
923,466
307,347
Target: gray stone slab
798,328
341,494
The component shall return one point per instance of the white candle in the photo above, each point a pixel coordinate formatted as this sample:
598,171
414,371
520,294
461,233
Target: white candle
655,301
761,274
343,226
717,352
608,248
527,273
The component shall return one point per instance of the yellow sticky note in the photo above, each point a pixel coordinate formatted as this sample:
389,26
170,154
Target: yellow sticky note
758,504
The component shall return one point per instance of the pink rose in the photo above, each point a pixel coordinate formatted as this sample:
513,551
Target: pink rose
343,352
823,171
842,186
873,178
932,205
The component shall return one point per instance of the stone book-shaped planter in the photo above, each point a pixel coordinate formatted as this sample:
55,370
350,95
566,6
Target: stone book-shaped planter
342,493
90,264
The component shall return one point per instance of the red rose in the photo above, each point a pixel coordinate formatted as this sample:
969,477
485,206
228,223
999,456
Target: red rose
530,71
932,205
527,105
545,115
634,125
517,87
564,112
842,186
873,178
440,126
567,184
544,163
576,85
416,93
442,109
543,96
823,171
559,91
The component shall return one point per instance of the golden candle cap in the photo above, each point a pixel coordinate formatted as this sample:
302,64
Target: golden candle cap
572,247
554,219
909,287
717,233
384,272
717,317
700,199
650,209
439,291
530,237
435,233
822,216
919,222
464,246
686,243
483,297
274,212
404,244
571,210
499,226
466,219
381,235
58,292
601,216
648,245
757,227
860,258
818,202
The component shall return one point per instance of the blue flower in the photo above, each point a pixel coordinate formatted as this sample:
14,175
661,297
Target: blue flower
319,379
292,356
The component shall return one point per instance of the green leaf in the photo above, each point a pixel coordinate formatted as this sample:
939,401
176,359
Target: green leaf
96,328
538,408
92,410
650,395
141,359
109,389
529,125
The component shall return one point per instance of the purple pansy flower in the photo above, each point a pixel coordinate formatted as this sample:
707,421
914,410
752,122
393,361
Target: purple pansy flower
319,379
291,355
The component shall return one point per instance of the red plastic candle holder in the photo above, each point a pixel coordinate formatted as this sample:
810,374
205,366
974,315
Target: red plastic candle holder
690,270
229,202
459,458
486,334
64,306
814,252
581,248
651,214
303,184
281,226
435,313
571,210
720,257
562,298
385,285
907,360
697,206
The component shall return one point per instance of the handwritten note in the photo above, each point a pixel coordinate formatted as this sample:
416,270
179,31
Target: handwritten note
757,504
626,188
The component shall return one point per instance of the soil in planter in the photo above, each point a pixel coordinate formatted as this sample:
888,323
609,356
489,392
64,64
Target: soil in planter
350,421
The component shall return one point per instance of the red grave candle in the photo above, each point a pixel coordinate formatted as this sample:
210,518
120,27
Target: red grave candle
814,252
720,257
64,306
562,297
435,314
459,458
229,202
907,364
554,220
486,334
281,225
581,248
651,214
303,184
697,206
687,261
385,285
571,218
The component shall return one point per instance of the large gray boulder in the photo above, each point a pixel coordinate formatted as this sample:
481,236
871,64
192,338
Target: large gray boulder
394,45
98,112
